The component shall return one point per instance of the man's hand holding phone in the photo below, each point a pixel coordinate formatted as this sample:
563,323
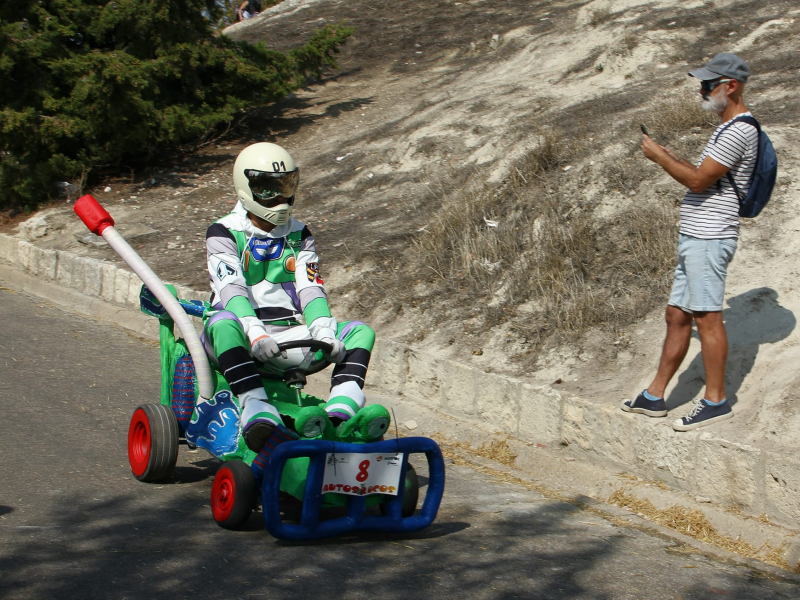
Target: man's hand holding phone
651,148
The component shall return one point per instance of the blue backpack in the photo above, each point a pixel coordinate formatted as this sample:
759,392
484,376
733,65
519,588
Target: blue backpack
764,174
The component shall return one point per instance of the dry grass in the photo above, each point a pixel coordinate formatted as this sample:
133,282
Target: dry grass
627,174
590,273
479,229
695,524
532,242
678,518
499,451
638,250
539,252
553,149
600,16
681,115
557,267
460,244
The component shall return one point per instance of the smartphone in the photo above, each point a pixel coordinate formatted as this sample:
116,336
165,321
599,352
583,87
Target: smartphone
644,130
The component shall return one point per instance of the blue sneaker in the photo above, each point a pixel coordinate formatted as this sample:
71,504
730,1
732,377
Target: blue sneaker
703,414
651,408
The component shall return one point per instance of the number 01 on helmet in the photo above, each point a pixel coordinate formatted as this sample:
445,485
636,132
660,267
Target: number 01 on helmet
266,180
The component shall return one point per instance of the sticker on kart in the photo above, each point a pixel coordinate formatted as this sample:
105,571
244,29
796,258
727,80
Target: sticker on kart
363,474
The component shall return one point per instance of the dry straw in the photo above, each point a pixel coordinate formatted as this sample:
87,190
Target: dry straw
695,524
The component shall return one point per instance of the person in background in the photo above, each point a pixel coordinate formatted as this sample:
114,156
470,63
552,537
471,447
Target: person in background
709,229
248,9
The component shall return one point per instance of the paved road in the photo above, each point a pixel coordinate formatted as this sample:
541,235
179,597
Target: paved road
75,524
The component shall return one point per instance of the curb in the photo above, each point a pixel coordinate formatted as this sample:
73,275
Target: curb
749,481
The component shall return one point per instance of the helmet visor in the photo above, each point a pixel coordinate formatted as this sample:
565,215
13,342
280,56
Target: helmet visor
267,186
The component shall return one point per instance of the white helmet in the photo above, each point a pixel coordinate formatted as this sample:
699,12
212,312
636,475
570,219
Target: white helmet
266,178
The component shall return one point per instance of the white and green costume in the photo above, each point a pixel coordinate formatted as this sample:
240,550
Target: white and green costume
271,280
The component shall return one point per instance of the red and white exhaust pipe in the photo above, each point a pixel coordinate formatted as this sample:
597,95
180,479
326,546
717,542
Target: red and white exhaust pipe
99,222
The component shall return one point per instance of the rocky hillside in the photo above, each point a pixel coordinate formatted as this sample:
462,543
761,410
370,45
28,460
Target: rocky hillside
473,177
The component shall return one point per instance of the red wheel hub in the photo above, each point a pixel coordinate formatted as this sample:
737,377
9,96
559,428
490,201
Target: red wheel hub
139,441
223,495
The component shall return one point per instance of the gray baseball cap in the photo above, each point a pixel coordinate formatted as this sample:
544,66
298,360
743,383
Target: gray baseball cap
723,64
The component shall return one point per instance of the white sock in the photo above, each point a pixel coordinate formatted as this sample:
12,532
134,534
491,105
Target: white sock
351,390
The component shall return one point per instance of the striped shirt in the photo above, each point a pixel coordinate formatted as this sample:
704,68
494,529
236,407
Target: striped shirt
714,212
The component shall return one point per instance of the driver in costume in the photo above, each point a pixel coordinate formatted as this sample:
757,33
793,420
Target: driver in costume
267,289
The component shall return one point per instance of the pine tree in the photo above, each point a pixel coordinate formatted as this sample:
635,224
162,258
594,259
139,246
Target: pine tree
88,84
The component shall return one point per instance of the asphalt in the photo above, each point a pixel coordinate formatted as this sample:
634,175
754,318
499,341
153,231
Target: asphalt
74,523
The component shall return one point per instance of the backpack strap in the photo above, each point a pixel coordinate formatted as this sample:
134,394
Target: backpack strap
750,121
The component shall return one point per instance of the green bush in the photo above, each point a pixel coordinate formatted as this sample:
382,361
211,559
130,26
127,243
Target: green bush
92,84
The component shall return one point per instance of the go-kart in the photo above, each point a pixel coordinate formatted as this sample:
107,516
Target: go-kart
349,468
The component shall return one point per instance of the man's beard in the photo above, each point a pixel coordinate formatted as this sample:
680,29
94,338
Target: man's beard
715,104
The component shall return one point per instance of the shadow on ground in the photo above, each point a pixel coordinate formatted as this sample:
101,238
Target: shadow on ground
123,547
753,319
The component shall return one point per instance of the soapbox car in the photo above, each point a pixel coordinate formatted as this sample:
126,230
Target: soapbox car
365,479
302,468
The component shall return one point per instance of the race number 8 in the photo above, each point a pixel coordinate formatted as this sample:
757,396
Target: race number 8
363,474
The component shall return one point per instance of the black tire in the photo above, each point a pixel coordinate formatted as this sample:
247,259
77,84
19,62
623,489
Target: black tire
291,508
153,442
233,494
410,493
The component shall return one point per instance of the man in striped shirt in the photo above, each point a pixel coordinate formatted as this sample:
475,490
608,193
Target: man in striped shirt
708,235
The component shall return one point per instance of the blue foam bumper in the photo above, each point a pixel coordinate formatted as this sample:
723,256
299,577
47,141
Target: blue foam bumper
311,527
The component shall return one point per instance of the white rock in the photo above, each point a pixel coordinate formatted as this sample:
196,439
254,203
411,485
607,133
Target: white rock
34,228
702,499
411,425
107,189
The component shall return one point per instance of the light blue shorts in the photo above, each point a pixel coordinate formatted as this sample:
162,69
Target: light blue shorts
699,284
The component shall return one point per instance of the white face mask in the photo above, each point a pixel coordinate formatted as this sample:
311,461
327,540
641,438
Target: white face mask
278,215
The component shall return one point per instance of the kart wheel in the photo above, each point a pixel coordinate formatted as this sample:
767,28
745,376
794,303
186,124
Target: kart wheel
291,509
153,442
233,494
410,493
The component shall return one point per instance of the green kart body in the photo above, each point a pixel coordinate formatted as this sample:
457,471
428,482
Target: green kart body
214,425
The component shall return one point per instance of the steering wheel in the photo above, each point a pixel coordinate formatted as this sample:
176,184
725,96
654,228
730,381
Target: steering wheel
310,344
309,365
